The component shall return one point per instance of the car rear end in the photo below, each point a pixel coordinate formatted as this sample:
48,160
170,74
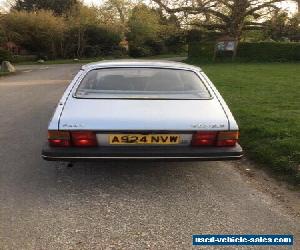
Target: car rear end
92,145
131,126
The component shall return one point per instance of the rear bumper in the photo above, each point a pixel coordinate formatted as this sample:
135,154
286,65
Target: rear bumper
151,153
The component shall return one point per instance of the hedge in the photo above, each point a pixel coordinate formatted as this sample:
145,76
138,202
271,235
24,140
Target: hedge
263,51
6,55
204,51
23,58
269,51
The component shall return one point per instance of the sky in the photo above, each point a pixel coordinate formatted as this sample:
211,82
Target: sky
95,2
289,5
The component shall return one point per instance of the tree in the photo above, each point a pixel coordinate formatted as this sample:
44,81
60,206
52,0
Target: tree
151,32
230,17
294,27
39,32
277,26
144,24
79,18
117,9
101,41
115,14
144,31
298,5
282,27
58,7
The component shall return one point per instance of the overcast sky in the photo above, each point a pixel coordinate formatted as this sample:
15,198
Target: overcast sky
93,1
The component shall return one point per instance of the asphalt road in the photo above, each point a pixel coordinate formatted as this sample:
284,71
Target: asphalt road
127,205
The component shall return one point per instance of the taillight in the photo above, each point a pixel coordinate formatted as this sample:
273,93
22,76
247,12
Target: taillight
68,139
204,139
59,138
228,139
84,139
220,139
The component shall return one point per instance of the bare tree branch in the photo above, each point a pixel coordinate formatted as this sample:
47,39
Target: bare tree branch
193,10
232,14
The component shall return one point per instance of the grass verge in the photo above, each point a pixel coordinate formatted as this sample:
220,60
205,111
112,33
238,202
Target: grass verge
265,100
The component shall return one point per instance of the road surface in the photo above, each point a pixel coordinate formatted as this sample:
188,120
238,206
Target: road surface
127,205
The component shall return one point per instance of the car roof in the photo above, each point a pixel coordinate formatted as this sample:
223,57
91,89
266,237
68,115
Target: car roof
139,63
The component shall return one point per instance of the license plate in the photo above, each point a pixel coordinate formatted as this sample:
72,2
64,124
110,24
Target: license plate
136,139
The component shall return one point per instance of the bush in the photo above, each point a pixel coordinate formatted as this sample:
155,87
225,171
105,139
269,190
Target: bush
119,52
156,47
139,51
148,48
96,41
40,32
204,51
269,51
196,36
101,39
176,43
263,51
5,55
23,58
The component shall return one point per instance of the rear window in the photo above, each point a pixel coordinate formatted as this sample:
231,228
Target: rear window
142,83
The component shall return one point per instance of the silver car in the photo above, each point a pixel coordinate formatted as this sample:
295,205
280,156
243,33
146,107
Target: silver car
139,109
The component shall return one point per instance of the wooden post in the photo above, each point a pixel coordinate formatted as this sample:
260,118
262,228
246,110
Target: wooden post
235,50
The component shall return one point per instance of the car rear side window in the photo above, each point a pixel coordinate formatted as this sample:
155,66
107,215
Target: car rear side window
141,83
